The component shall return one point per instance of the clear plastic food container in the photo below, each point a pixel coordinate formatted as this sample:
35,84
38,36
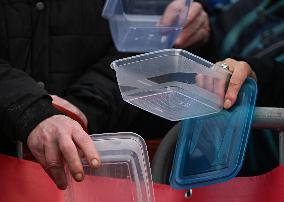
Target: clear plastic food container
143,25
172,83
124,175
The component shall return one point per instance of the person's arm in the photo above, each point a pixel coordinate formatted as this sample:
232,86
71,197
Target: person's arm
23,104
97,94
27,115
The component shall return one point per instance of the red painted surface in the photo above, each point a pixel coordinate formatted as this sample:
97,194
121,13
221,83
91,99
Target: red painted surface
22,180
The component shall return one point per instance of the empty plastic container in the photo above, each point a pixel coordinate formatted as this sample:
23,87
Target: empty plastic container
211,149
143,25
124,174
172,83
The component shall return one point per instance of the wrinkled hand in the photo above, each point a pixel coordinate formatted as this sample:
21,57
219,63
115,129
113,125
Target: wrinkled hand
67,105
213,84
240,71
196,29
217,84
58,140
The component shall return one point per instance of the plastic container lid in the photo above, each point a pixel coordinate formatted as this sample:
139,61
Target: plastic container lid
211,149
172,83
143,25
124,174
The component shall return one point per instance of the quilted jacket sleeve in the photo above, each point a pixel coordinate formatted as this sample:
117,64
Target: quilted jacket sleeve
23,104
97,94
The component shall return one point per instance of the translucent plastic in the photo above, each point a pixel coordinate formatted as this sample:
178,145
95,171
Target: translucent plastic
143,25
210,149
124,174
172,83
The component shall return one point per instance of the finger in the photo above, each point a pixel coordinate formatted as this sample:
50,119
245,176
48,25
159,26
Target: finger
208,83
54,165
70,107
199,78
71,157
194,11
240,73
170,14
86,144
197,32
53,97
193,21
219,87
83,118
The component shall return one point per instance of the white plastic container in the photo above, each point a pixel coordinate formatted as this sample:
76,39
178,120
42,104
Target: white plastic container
143,25
172,83
124,175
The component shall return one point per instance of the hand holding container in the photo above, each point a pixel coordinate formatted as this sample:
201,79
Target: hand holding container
143,25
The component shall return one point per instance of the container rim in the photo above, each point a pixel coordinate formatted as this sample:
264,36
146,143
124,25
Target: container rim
114,65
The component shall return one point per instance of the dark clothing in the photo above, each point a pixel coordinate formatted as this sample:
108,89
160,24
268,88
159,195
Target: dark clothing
65,44
253,31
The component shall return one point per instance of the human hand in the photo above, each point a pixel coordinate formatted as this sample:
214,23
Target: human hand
67,105
196,29
216,83
240,71
172,13
58,140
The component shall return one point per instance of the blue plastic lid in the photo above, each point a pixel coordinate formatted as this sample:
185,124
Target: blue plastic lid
211,149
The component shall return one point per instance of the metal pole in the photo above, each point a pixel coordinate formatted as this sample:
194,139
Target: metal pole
281,147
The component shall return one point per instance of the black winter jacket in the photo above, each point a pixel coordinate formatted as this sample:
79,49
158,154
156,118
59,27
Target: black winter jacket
65,44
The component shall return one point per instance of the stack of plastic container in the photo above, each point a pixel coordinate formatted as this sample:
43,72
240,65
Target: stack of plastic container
124,174
172,83
143,25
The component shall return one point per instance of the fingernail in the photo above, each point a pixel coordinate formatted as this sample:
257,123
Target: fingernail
227,104
78,176
62,186
95,163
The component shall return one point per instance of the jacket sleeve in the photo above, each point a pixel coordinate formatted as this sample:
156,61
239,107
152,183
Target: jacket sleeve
97,94
23,104
270,81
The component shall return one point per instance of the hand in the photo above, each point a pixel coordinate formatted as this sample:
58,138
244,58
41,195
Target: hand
67,105
196,29
212,83
60,139
240,71
172,13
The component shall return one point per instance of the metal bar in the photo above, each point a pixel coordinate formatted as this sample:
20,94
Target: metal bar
281,147
268,117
